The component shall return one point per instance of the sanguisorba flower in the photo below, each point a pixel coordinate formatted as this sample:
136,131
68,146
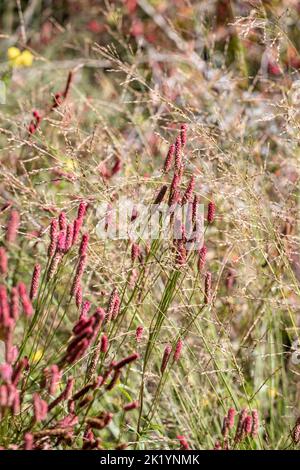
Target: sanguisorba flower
169,159
35,281
178,350
183,134
12,226
166,357
211,211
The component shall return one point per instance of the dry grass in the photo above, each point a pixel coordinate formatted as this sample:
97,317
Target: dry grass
231,78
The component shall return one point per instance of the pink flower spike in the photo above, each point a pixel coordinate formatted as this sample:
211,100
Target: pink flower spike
40,408
211,212
62,220
169,159
53,238
166,357
178,349
3,261
14,304
202,257
78,297
82,208
104,344
135,252
69,237
207,288
183,443
12,226
248,425
139,334
131,406
28,441
76,229
4,307
35,281
230,416
178,153
126,360
188,195
84,245
25,301
61,242
85,309
255,423
183,132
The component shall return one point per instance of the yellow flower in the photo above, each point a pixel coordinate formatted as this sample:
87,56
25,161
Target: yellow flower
19,59
69,164
13,53
37,355
27,58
